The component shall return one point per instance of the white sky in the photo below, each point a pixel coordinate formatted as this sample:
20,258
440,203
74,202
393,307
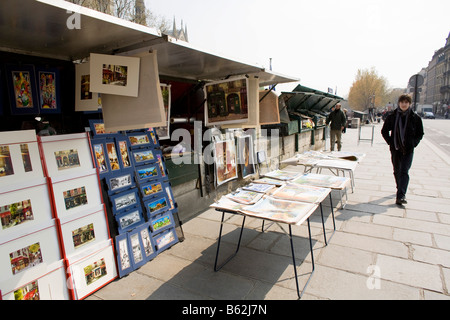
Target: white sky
321,42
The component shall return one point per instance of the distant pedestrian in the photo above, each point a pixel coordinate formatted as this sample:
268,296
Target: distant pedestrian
402,130
338,120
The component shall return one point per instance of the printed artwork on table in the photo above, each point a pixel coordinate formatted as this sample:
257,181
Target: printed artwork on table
67,159
83,235
26,157
28,292
95,271
26,258
75,198
15,214
6,166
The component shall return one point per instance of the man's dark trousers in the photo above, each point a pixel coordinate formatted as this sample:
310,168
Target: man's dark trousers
401,163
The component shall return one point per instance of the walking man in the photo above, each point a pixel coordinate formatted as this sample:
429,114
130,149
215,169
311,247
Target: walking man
402,130
338,121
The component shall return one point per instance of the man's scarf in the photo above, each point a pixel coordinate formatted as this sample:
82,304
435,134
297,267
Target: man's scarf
400,128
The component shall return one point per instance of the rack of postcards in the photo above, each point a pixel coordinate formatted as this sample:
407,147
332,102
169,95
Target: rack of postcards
141,203
31,259
80,213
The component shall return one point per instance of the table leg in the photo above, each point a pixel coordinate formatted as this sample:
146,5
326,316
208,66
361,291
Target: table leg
217,268
300,294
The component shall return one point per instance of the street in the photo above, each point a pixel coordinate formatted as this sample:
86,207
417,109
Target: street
437,131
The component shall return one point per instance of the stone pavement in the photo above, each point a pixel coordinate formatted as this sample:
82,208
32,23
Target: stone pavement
379,251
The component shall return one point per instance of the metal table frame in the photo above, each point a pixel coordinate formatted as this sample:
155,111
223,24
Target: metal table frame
299,293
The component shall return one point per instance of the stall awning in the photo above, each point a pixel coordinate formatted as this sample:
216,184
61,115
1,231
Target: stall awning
39,27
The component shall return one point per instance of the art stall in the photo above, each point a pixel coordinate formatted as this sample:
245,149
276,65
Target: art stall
86,192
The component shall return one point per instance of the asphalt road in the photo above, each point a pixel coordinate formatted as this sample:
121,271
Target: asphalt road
437,131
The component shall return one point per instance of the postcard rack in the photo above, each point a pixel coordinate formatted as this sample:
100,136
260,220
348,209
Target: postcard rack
140,202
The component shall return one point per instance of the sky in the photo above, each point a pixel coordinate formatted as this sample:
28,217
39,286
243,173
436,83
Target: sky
322,42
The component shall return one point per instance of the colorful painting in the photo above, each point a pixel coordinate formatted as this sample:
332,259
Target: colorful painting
95,271
67,159
26,258
26,157
16,213
47,90
27,292
83,235
246,157
225,160
75,198
6,167
112,156
304,193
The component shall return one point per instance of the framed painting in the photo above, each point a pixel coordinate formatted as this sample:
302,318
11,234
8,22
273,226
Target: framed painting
136,245
166,239
23,95
160,161
124,201
225,161
100,156
123,151
226,102
123,255
156,205
148,172
98,128
246,156
117,75
151,189
154,136
162,222
120,181
143,156
147,241
48,83
85,100
129,220
139,139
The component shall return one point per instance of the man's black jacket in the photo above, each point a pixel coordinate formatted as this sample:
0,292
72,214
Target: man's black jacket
414,130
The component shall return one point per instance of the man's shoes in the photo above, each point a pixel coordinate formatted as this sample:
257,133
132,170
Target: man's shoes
401,201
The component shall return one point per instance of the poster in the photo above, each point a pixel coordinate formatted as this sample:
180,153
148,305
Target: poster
246,156
225,160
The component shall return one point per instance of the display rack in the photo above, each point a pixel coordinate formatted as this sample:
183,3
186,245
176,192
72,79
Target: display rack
139,198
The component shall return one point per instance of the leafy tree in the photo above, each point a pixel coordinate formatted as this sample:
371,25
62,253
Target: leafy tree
368,90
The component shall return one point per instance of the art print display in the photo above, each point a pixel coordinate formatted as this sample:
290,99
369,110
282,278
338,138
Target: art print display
26,258
124,200
286,211
83,235
139,139
129,220
322,180
124,155
85,99
95,271
112,156
152,133
75,198
162,222
22,89
115,75
151,189
148,172
99,150
98,129
120,182
123,253
245,196
226,102
6,165
156,206
246,157
164,132
48,90
170,197
143,157
225,161
160,162
282,175
226,203
166,239
136,247
15,214
67,159
147,242
28,292
27,166
303,193
259,187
